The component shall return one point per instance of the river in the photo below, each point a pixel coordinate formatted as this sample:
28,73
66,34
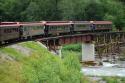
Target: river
107,69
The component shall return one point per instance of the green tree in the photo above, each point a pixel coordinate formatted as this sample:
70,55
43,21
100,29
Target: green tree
94,11
31,12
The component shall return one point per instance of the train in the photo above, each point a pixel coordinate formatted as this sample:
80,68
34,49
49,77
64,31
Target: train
10,31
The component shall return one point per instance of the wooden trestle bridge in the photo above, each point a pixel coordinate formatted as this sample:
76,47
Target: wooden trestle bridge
106,43
95,41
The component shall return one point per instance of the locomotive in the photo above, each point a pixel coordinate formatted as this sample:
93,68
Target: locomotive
10,31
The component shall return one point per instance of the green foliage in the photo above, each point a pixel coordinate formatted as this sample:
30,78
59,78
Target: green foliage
73,48
47,68
40,67
10,72
94,10
31,12
114,79
73,63
16,55
37,10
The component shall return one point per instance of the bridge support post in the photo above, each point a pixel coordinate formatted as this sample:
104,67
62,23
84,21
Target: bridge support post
59,51
88,52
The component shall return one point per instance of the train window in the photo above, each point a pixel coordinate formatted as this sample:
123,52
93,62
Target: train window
62,27
102,26
96,26
7,30
81,26
29,28
39,27
34,28
48,27
25,28
108,26
10,30
56,27
65,27
17,30
14,30
51,28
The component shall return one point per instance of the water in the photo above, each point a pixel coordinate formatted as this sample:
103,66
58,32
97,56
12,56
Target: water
106,70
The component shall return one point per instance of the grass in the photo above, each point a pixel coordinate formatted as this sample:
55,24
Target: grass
43,67
75,48
12,53
114,79
40,67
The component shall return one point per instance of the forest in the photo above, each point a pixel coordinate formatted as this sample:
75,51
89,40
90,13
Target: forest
38,10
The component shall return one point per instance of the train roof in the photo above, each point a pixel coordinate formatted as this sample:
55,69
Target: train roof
51,23
57,21
92,22
81,22
58,24
102,22
31,24
10,25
